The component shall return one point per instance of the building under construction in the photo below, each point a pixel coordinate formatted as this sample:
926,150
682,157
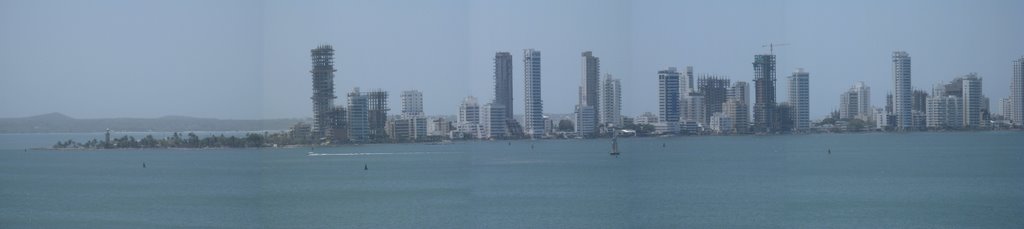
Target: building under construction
378,114
323,90
764,93
715,89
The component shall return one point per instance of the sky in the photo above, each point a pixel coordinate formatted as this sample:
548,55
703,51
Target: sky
250,59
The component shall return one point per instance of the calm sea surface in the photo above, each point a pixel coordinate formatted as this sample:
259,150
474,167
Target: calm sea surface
916,180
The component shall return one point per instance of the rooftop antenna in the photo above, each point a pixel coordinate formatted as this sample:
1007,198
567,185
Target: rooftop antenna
771,47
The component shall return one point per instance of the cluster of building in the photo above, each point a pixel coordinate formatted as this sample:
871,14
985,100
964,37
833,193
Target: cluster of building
705,104
714,105
959,104
598,111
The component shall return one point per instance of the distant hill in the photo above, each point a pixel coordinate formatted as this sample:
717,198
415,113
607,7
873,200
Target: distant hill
60,123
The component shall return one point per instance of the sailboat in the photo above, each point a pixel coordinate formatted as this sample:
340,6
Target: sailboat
615,146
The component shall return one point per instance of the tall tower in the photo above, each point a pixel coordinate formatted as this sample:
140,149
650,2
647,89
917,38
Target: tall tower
668,95
972,97
764,93
611,101
1017,92
589,104
800,98
534,106
323,89
503,82
902,92
412,103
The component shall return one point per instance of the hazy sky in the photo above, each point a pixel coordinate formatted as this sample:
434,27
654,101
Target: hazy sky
250,59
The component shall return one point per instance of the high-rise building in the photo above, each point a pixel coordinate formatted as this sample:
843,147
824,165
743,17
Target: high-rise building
469,118
378,114
589,102
1017,92
715,89
494,123
668,95
737,106
534,106
323,89
856,103
944,111
358,116
503,82
412,103
764,93
691,108
972,97
611,101
919,101
339,125
902,92
800,99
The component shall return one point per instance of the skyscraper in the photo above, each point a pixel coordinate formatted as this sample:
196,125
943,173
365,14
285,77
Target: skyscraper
668,95
737,107
412,113
503,82
799,98
589,103
972,97
358,116
534,105
323,89
943,111
902,92
611,101
856,102
764,93
1017,92
412,103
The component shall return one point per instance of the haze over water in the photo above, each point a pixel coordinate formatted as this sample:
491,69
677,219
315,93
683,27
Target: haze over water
958,179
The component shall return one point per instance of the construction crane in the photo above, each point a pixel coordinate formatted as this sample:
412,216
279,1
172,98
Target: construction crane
771,47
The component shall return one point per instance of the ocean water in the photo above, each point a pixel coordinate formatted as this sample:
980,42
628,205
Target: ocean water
873,180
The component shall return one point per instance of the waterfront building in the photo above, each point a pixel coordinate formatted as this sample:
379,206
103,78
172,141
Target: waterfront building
534,106
378,114
412,103
587,108
503,82
1017,93
323,89
358,116
799,97
902,92
692,108
715,90
944,111
439,127
647,118
611,102
973,101
668,95
855,103
686,84
764,93
469,118
493,120
339,125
